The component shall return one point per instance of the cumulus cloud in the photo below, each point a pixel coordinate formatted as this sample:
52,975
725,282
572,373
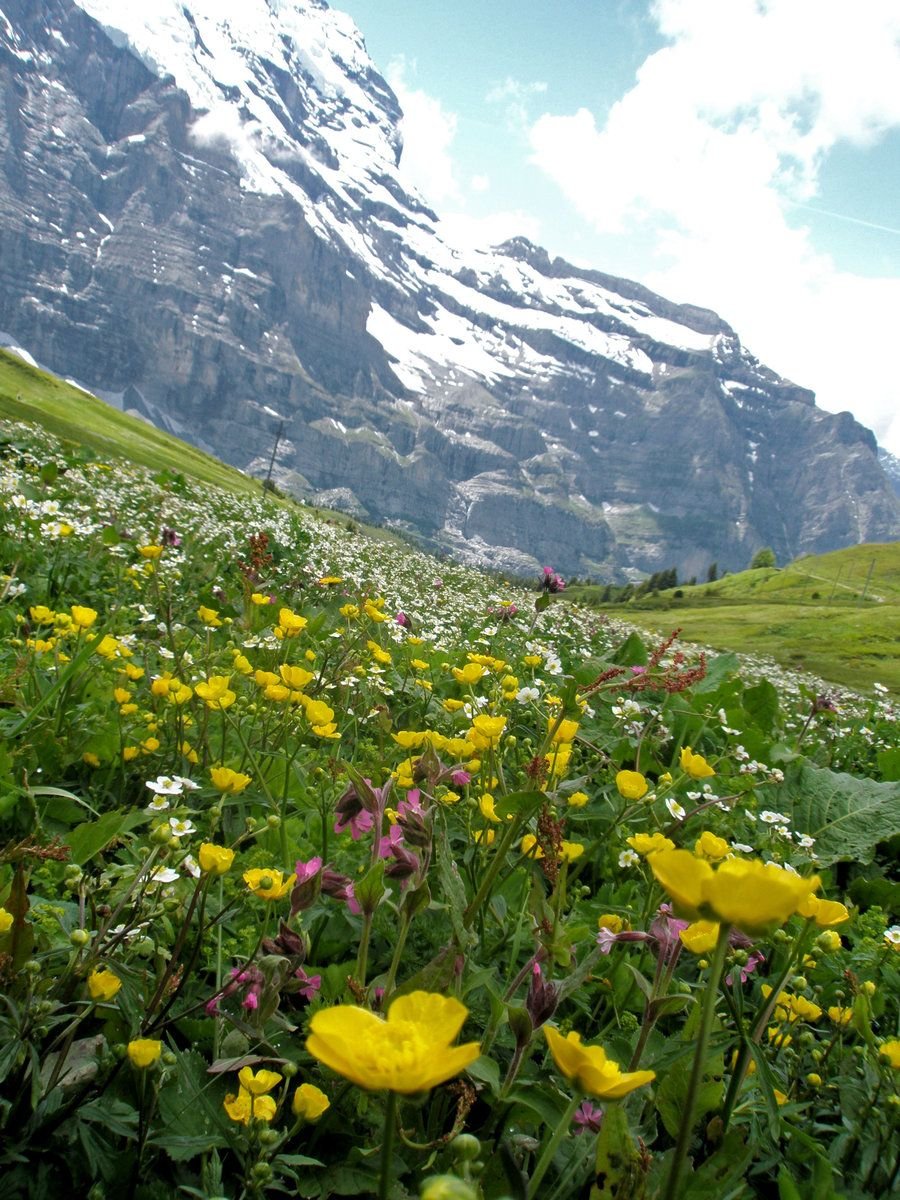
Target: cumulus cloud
716,148
428,131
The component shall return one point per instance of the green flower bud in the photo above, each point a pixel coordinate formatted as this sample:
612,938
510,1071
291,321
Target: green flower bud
79,938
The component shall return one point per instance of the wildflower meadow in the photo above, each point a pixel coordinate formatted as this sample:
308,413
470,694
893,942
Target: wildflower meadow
330,869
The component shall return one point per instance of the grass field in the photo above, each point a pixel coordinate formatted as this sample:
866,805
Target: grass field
836,615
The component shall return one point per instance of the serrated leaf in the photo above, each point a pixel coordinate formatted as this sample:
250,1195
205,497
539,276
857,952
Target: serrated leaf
847,816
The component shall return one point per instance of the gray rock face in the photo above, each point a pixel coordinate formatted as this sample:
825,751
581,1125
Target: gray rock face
201,220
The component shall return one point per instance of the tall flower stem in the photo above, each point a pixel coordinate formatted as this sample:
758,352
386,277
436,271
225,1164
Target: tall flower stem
549,1151
387,1145
762,1020
690,1104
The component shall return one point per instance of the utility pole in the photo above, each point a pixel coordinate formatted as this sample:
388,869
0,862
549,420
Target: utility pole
268,480
866,584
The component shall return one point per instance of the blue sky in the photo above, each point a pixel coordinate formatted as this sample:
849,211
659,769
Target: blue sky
743,155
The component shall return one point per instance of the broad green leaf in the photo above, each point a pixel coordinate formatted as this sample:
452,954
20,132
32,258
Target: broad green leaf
847,816
90,838
761,705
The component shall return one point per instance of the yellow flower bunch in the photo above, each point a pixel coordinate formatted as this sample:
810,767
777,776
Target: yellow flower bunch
215,692
752,895
408,1052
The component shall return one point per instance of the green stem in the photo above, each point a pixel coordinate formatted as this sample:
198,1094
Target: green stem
762,1020
362,957
509,836
565,1122
387,1145
395,960
706,1021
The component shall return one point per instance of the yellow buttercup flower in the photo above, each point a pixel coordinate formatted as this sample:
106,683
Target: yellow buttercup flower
695,764
577,799
569,851
486,808
6,921
245,1107
150,552
290,624
267,884
143,1052
216,692
632,785
213,859
891,1051
589,1069
565,731
711,847
82,616
530,846
840,1016
409,1052
309,1102
228,781
209,616
259,1083
103,984
825,913
295,677
700,937
755,896
650,843
611,921
468,674
485,731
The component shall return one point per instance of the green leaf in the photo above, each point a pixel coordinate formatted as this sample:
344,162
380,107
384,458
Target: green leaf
889,763
519,802
620,1170
671,1096
485,1070
761,705
847,816
632,652
90,838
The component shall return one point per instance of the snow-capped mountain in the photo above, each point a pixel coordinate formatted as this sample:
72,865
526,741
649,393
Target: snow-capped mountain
201,218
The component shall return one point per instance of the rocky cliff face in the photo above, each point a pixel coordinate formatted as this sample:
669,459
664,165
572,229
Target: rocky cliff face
201,219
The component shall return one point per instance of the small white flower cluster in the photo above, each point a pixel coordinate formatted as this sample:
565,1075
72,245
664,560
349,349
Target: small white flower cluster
164,786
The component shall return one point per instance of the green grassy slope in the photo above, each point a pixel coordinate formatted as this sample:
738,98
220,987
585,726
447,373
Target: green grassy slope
27,394
836,615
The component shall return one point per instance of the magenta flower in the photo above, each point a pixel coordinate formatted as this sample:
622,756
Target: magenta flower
588,1118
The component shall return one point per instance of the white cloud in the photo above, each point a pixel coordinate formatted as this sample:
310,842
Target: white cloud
480,183
463,230
725,130
428,131
514,95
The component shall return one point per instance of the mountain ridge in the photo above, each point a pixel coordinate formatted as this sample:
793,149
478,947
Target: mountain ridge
227,248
